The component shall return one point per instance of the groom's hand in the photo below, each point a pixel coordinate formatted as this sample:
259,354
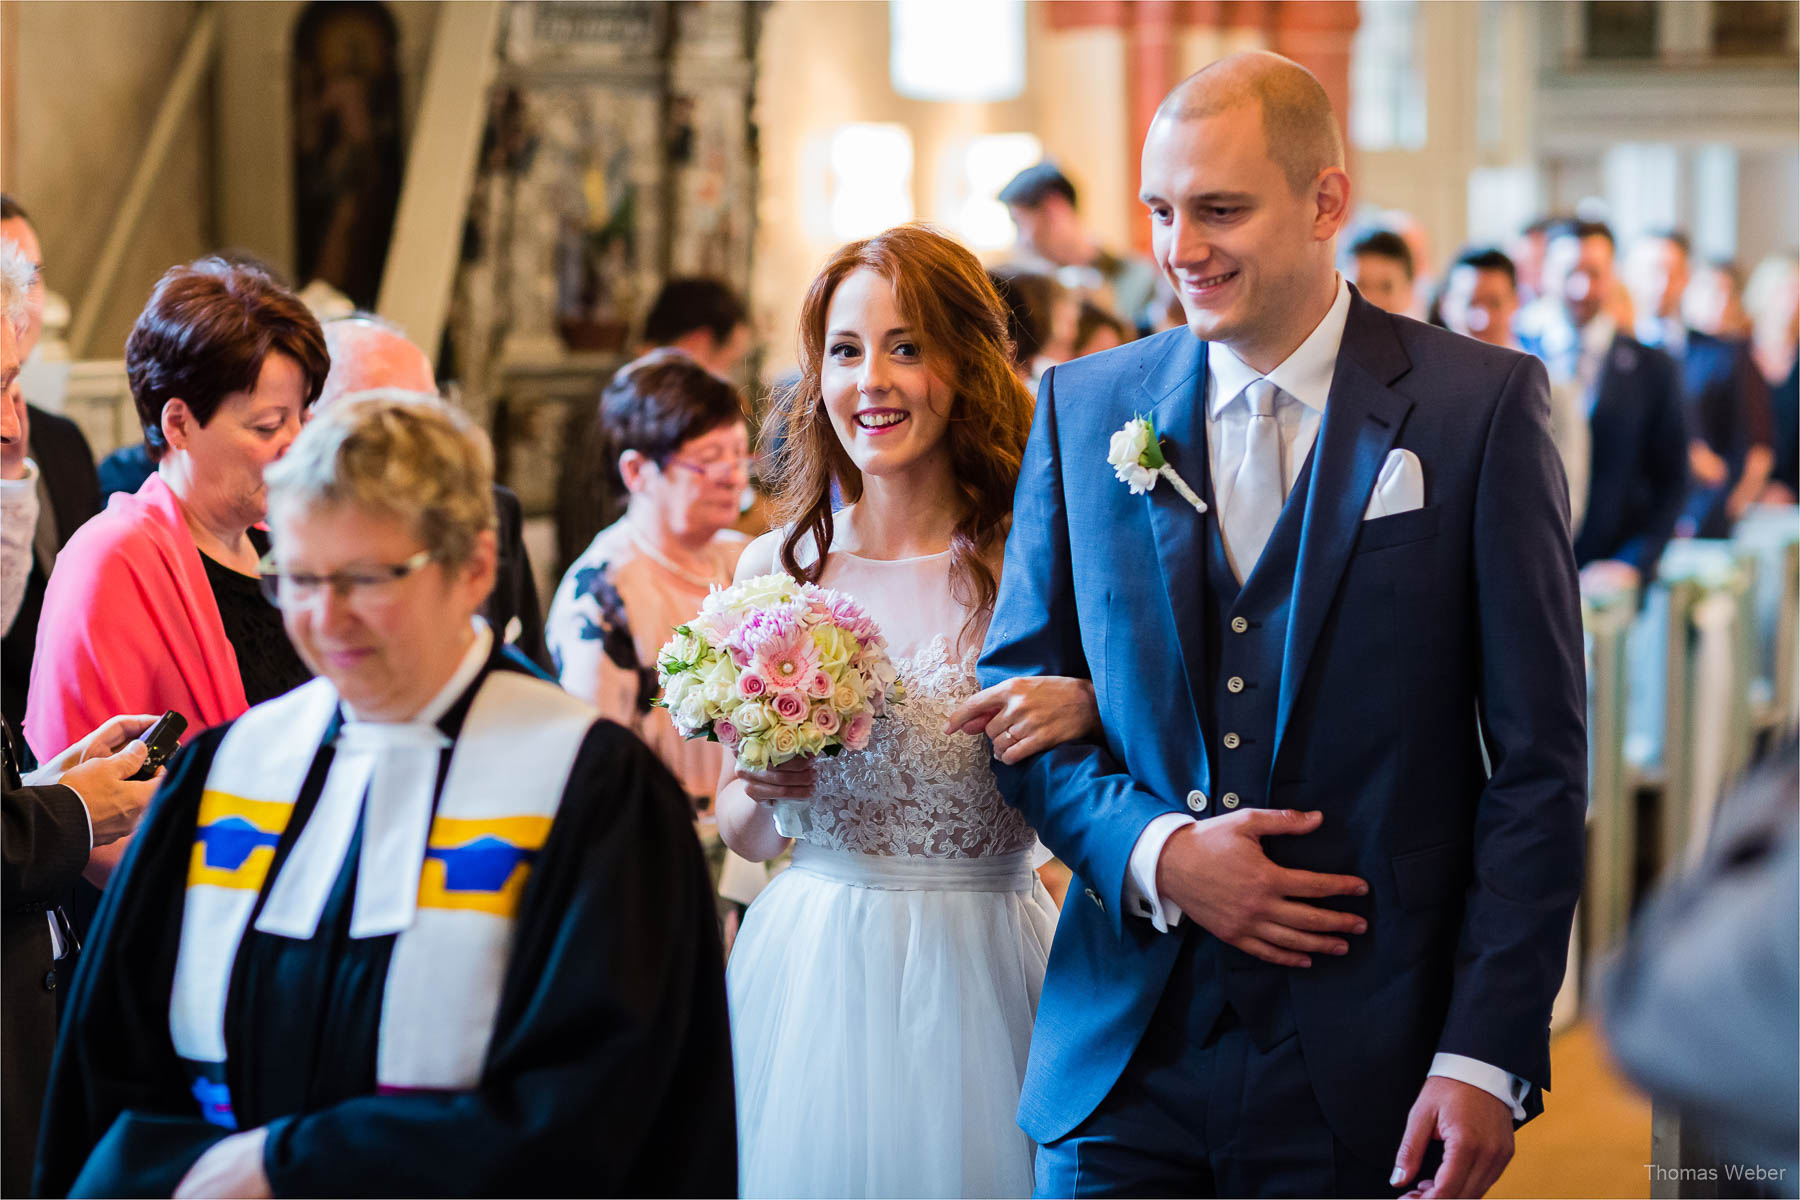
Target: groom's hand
1477,1132
1218,875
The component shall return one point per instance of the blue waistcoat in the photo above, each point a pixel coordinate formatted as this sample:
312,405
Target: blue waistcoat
1244,643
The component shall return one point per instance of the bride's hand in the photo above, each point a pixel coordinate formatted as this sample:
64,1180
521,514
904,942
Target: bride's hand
1029,714
792,780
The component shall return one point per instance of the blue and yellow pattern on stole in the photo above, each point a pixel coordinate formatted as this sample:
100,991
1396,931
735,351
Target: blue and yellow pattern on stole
235,839
480,863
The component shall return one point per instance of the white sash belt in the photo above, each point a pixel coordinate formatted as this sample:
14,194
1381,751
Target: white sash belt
907,873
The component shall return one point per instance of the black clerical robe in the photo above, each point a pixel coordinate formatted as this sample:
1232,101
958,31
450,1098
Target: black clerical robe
609,1071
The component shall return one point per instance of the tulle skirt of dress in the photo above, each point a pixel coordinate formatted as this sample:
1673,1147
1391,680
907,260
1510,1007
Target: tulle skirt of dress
881,1014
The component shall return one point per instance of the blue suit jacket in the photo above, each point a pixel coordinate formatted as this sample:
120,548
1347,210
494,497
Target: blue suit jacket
1401,630
1638,480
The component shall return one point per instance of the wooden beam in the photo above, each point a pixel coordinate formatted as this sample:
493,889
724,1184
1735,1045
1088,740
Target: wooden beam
440,172
171,116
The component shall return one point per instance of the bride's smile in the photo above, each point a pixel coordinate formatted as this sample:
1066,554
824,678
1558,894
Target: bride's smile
889,409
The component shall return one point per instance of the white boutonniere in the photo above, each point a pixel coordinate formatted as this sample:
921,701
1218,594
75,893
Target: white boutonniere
1137,459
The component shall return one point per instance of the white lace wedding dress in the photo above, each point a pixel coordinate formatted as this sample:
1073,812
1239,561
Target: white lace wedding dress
882,988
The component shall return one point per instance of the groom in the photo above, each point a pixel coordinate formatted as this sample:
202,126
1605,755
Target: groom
1313,939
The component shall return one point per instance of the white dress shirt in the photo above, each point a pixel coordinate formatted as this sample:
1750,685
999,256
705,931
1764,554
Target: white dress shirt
1304,379
18,528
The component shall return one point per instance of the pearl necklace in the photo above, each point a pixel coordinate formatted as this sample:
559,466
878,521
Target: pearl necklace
704,582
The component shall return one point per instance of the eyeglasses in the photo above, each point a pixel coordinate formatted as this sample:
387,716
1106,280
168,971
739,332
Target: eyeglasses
718,469
365,582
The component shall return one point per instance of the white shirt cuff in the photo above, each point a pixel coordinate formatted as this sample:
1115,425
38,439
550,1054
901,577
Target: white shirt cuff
85,815
1504,1086
1141,897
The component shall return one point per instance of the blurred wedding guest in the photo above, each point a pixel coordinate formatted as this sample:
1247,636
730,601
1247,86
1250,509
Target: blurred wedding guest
1041,201
1730,451
1097,329
684,454
1381,267
68,492
1773,300
704,319
155,603
1637,475
370,354
1479,299
52,819
1702,1009
1527,253
1030,298
473,947
1714,300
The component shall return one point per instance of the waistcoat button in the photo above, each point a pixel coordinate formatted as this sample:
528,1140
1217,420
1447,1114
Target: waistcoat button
1239,625
1232,741
1235,684
1230,800
1196,800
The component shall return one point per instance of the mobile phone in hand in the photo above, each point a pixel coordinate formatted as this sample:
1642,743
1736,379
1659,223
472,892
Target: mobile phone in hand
163,739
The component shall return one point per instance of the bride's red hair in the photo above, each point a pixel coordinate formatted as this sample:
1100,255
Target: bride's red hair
944,294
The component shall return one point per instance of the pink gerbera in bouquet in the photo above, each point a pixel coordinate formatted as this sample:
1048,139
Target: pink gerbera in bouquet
776,669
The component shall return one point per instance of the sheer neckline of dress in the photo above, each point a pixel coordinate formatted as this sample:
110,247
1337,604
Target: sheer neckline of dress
916,558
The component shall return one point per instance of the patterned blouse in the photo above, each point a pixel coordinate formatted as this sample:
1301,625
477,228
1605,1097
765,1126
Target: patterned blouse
612,612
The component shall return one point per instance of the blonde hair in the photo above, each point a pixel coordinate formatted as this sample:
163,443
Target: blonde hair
402,454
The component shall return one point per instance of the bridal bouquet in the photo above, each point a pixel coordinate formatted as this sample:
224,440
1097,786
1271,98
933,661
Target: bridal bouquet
776,669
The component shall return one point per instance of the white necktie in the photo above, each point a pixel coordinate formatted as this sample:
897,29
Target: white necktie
1256,492
395,766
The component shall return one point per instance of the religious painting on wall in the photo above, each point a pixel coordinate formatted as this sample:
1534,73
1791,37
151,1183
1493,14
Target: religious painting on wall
619,153
347,144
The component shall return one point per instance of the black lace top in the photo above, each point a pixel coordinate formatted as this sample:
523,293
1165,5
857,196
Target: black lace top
267,662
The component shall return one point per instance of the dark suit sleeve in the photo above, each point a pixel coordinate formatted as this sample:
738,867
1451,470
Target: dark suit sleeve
45,843
1529,824
610,1071
119,1119
67,461
515,587
1076,795
1665,465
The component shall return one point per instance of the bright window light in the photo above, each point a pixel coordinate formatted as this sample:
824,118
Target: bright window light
868,179
970,50
974,172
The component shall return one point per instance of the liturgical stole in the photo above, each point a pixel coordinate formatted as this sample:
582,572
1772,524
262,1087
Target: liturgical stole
508,770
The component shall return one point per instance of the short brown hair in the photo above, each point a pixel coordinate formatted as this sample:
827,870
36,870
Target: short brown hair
662,401
947,299
205,333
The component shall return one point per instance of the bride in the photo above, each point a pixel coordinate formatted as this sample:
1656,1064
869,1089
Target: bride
882,989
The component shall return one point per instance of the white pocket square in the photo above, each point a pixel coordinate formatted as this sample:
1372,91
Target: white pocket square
1399,488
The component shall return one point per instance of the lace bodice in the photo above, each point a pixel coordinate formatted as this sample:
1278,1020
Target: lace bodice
915,790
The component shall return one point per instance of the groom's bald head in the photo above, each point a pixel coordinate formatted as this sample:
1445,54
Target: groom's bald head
1298,124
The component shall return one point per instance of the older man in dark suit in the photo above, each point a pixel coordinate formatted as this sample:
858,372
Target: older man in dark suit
368,353
67,487
82,799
